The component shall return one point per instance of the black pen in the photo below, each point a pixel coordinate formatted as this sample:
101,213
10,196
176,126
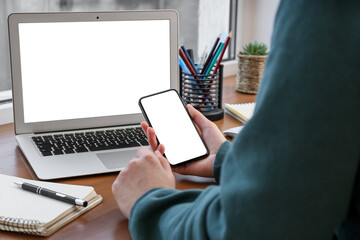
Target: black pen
51,194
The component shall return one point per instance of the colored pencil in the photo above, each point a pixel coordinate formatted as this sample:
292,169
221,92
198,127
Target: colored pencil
212,63
222,53
221,46
209,66
183,66
186,71
188,57
211,53
187,63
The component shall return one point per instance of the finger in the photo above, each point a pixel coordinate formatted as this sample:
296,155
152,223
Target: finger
141,151
161,149
199,168
150,134
187,169
164,162
198,117
180,169
152,138
144,126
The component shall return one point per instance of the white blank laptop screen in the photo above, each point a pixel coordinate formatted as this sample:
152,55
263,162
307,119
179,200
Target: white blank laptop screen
76,70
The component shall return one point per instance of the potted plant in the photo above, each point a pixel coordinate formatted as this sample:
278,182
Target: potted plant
251,62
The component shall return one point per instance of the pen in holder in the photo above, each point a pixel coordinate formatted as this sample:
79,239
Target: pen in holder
204,92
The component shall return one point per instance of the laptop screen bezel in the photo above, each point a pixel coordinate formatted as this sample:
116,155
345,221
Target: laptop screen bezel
84,123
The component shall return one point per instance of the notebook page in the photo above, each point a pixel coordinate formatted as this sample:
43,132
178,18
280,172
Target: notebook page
244,110
18,203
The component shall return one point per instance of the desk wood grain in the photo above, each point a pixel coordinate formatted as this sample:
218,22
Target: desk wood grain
104,221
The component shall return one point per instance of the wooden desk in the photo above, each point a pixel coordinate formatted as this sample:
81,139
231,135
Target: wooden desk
104,221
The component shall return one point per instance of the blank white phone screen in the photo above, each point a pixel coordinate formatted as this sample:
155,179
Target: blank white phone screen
173,127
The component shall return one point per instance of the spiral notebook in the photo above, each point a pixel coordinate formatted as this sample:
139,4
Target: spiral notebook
242,112
27,212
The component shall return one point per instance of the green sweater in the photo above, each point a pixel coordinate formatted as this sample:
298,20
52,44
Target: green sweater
293,172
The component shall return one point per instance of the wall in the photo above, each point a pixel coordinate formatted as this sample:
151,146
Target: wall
257,19
4,45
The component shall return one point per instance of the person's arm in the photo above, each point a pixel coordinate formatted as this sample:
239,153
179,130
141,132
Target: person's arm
290,173
220,156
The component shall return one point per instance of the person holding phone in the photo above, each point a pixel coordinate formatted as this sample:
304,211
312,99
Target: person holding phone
293,171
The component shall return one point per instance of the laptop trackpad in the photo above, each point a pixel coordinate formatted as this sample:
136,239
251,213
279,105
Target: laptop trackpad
119,159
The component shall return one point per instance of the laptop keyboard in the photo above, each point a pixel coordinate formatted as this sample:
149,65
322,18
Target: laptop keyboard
78,142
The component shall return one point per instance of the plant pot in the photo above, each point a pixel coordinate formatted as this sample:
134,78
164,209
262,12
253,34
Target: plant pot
249,73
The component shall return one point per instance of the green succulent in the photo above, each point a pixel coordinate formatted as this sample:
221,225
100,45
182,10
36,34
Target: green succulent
254,48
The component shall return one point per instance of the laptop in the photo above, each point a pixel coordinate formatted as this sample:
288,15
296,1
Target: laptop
77,79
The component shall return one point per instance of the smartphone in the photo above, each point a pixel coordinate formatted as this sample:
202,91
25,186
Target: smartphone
167,115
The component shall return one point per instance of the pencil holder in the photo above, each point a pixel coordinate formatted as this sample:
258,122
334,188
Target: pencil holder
204,92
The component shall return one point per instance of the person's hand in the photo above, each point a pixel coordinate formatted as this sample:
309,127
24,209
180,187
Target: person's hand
211,135
146,171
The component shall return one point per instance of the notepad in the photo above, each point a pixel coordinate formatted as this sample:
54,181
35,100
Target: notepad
27,212
242,112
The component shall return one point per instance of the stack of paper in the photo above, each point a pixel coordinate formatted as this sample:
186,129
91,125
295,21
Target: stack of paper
242,112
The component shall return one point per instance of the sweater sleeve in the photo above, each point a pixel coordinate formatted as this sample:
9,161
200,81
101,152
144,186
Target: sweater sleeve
220,155
291,172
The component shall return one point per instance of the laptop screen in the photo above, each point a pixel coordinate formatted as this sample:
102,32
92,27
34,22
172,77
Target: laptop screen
74,70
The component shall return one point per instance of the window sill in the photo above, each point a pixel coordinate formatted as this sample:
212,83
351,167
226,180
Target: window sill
229,68
6,113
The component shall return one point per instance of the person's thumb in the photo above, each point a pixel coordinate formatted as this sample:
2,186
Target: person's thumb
198,118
